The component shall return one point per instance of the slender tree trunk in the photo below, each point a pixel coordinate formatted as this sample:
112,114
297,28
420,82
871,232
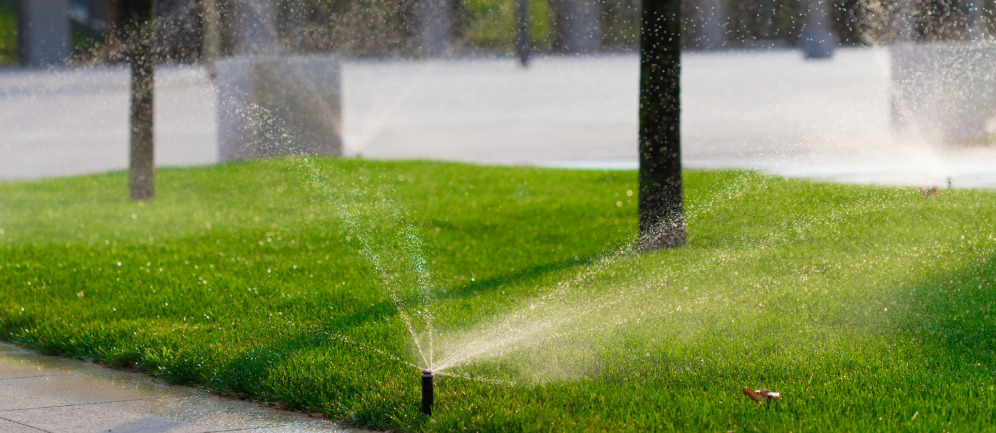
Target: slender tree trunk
212,35
662,214
522,40
905,22
298,13
142,166
974,25
111,31
818,39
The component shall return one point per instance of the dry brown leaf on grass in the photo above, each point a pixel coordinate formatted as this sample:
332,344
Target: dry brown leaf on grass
761,395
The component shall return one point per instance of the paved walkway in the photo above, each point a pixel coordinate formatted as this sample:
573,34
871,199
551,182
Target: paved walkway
56,395
769,110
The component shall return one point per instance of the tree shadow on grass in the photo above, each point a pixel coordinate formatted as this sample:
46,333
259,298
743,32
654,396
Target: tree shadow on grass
534,273
953,317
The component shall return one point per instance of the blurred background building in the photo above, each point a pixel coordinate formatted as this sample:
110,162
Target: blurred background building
45,32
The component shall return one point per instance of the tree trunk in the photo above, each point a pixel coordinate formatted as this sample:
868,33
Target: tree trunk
142,166
522,33
974,25
905,21
818,38
212,35
662,214
298,20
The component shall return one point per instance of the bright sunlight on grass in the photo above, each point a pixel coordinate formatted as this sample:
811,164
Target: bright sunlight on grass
296,280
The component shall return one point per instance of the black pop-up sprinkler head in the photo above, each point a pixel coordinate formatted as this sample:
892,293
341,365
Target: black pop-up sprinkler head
427,392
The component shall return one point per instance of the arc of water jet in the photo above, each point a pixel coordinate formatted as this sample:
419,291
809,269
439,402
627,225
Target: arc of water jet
424,285
487,343
490,380
414,242
623,250
375,260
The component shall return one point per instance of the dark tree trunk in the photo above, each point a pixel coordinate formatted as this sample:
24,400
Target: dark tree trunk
143,62
212,35
662,214
522,33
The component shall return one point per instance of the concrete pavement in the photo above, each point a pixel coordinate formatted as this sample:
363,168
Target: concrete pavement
769,110
56,395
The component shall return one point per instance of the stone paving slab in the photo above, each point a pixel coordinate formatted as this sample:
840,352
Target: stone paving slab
48,394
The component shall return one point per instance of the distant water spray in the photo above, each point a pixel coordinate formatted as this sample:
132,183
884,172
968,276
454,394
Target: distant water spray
381,113
349,207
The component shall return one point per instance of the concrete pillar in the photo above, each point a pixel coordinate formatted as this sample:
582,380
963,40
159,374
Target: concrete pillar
578,25
432,26
256,27
818,38
44,38
278,105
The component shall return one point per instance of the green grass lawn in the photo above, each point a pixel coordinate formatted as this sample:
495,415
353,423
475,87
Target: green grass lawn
868,309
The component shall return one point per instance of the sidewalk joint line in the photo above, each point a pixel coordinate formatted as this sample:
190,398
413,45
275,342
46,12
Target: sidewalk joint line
37,376
247,428
21,423
77,404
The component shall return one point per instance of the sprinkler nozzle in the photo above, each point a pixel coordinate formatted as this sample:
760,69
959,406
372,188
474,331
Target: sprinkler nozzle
427,392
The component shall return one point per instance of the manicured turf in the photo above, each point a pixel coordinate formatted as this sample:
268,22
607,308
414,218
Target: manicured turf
867,308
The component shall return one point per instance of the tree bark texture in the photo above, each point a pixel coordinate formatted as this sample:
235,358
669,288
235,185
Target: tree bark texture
142,166
662,215
522,48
